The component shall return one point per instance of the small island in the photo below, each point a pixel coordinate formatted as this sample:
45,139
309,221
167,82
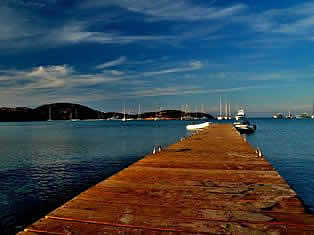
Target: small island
68,111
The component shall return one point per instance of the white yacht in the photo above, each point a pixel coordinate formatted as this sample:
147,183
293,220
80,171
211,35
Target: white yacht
240,115
242,124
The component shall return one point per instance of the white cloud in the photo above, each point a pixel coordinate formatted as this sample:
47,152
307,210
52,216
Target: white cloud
53,77
297,20
194,65
18,31
78,32
185,90
171,10
116,72
52,84
92,79
113,63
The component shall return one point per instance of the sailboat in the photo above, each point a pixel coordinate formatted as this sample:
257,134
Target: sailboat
226,112
139,113
50,114
220,117
229,112
99,116
75,116
124,117
289,115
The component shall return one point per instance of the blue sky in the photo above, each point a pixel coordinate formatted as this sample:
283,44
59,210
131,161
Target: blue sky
106,53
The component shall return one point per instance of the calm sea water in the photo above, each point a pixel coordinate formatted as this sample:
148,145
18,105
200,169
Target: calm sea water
44,164
289,146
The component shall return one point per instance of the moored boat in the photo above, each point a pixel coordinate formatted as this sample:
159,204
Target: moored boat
289,116
240,115
220,117
197,126
302,116
242,124
278,116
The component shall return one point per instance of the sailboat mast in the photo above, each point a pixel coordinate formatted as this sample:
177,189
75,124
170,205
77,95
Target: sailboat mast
226,110
220,106
230,110
124,111
49,112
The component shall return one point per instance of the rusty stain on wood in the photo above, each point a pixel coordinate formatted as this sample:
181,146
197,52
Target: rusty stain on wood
210,183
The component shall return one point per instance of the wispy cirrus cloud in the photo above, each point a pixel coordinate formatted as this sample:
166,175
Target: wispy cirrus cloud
113,63
53,77
192,66
179,90
296,21
32,3
170,10
19,30
78,32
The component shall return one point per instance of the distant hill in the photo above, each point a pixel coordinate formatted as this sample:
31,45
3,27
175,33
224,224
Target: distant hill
66,111
17,114
59,111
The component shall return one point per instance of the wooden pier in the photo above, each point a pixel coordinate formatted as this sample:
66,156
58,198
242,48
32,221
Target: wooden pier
210,183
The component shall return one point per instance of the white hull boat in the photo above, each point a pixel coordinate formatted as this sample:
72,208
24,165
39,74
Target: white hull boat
242,124
197,126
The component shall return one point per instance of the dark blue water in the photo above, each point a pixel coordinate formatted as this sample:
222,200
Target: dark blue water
44,164
289,146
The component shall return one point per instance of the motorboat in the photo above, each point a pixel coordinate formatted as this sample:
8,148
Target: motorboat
240,115
278,116
242,124
245,127
302,116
